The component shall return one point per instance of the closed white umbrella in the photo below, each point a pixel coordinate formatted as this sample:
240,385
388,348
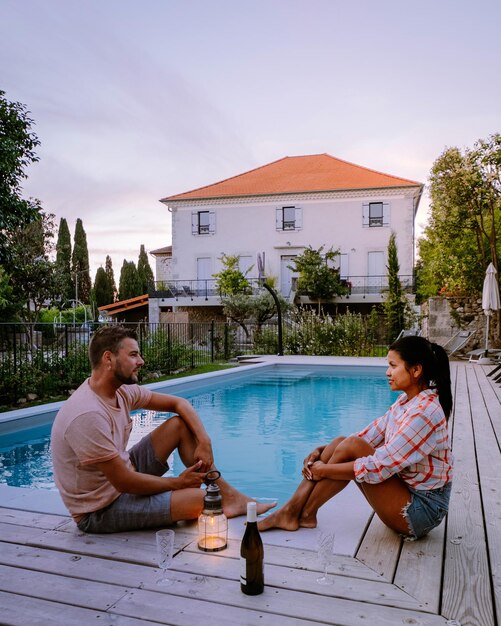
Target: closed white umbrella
490,298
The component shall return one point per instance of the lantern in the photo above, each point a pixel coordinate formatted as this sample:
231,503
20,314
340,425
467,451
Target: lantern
212,523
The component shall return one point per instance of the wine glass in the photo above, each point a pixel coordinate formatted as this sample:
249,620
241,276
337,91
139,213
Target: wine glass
325,553
165,553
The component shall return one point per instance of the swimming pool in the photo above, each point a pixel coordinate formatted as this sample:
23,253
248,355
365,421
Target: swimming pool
262,423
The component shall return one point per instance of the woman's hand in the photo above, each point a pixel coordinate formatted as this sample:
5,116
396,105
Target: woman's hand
312,458
316,470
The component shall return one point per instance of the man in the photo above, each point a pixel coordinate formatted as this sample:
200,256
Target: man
109,489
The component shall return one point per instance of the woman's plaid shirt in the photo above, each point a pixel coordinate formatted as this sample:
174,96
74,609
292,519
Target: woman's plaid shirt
410,440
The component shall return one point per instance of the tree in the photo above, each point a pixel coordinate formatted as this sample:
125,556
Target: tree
103,291
144,271
32,275
130,285
17,152
7,307
231,280
80,265
63,262
317,279
111,277
465,218
395,305
246,308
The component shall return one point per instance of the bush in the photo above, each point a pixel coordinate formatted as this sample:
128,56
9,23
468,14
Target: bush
163,354
350,334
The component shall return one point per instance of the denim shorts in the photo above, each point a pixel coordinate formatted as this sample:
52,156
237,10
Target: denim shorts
426,510
129,511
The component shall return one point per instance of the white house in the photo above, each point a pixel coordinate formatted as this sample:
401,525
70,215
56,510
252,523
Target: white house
163,261
281,208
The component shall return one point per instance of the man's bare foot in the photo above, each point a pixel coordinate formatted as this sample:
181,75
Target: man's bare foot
235,504
279,519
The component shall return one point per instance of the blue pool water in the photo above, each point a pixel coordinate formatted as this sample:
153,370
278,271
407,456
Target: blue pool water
262,427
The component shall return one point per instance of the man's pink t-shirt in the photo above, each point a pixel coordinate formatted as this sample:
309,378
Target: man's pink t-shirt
87,431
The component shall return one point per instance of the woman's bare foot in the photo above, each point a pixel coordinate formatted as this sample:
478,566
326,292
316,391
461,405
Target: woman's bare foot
279,519
308,522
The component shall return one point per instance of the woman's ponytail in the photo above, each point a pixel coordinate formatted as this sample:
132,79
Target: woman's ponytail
443,378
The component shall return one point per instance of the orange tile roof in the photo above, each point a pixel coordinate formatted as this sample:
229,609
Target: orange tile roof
317,172
118,307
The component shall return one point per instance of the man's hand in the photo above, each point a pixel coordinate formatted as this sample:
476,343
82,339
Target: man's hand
192,476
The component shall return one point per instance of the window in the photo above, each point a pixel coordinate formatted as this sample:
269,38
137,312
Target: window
376,214
289,218
245,264
203,222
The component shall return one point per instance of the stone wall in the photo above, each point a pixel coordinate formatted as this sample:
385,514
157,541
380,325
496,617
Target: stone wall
443,317
203,313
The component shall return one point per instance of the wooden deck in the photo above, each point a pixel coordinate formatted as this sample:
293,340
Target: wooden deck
52,574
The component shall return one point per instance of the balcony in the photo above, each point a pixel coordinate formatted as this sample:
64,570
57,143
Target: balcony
203,292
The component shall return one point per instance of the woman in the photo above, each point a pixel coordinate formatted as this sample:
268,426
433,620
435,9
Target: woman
401,461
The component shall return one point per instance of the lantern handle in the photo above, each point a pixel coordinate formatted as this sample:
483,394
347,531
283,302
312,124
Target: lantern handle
211,477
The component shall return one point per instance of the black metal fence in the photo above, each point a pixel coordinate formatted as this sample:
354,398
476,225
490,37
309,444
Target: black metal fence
47,360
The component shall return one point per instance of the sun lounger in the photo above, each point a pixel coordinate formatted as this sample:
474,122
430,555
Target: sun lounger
458,341
483,356
409,332
496,369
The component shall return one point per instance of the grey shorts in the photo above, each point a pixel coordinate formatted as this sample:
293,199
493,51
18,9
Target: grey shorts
132,512
426,510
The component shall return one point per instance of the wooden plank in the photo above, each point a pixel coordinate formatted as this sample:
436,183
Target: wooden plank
301,559
64,589
268,608
420,565
485,423
189,568
36,520
22,610
466,597
380,549
419,570
136,547
491,394
222,606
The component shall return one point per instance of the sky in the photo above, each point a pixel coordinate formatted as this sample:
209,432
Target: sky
135,100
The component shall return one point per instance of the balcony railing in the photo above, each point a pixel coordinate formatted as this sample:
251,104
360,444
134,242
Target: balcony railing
200,288
206,288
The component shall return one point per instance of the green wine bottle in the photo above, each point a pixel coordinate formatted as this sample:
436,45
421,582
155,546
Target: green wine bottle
251,556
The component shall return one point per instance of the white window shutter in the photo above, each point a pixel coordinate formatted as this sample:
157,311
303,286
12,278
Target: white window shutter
279,219
298,218
212,222
365,214
194,222
386,214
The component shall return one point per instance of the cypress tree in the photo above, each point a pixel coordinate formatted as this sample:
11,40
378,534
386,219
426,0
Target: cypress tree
395,305
80,264
144,271
103,292
63,262
129,286
111,277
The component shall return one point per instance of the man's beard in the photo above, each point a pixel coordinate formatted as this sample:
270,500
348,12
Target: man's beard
132,379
